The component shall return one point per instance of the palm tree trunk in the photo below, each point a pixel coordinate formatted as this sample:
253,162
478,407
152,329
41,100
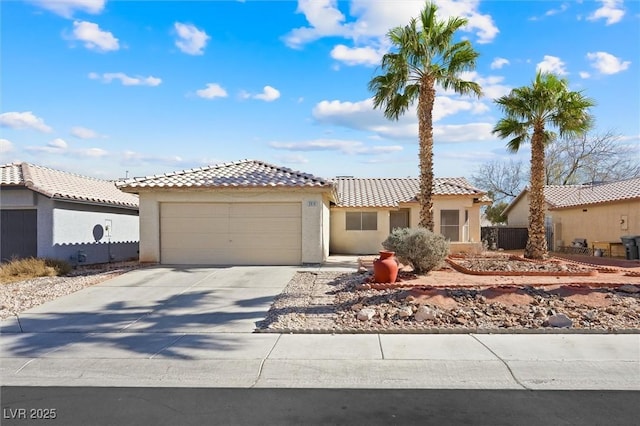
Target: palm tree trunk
426,100
537,244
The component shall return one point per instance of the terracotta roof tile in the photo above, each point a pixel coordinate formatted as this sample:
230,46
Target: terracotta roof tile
388,192
246,173
65,186
597,193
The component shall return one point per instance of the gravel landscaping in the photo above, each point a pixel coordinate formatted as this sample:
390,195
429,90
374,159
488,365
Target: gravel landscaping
20,296
328,302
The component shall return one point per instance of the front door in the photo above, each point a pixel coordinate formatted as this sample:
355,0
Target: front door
399,219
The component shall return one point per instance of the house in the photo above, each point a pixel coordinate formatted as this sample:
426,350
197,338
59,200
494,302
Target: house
244,213
49,213
600,212
251,212
368,209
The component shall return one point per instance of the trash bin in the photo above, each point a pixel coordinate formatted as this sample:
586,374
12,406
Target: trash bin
630,246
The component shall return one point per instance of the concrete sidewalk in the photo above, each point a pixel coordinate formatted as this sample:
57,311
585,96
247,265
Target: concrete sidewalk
192,327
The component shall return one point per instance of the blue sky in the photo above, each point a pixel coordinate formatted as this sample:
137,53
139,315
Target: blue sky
109,88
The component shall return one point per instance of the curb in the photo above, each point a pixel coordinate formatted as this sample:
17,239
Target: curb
449,331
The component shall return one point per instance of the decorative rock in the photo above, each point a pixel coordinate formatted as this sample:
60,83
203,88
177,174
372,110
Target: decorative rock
425,313
366,314
628,288
405,312
356,307
362,270
410,299
590,315
559,320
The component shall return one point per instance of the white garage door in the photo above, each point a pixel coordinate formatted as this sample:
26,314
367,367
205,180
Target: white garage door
231,233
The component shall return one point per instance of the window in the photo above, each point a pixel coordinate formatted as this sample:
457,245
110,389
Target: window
362,221
450,224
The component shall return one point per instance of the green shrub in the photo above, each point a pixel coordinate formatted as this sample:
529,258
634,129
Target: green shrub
423,250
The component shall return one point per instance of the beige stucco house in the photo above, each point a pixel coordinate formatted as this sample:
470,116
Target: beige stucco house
596,212
253,213
244,213
368,209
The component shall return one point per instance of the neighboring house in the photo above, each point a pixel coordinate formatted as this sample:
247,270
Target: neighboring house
596,212
245,212
49,213
367,210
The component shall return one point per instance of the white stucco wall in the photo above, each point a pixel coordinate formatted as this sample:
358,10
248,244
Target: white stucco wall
314,209
64,228
73,227
11,198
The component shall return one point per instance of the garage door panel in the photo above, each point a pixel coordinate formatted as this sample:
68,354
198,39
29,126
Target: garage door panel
198,240
247,242
232,233
183,210
196,225
265,226
263,210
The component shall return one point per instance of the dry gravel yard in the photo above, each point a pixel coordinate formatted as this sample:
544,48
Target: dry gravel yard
449,301
20,296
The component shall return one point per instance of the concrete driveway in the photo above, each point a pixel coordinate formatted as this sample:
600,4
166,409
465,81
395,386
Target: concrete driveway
163,299
176,326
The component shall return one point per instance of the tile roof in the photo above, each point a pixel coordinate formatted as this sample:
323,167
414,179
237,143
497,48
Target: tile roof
61,185
388,192
563,196
596,193
241,174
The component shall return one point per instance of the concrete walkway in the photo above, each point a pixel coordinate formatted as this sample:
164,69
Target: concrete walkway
192,327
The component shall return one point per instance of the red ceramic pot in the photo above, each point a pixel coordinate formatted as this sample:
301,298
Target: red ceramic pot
385,268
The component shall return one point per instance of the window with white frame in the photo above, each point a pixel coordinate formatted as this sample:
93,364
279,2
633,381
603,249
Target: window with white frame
450,224
362,221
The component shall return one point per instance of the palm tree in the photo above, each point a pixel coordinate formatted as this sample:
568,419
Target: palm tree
423,54
528,111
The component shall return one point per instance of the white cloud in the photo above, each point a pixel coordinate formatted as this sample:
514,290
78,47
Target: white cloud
498,63
66,8
23,120
362,116
369,21
5,146
213,90
125,79
324,20
584,74
357,55
611,11
84,133
463,132
343,146
191,40
93,37
93,152
56,146
606,63
268,94
563,7
292,159
552,64
492,86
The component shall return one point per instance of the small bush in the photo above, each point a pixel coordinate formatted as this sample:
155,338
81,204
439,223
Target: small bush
420,248
25,269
